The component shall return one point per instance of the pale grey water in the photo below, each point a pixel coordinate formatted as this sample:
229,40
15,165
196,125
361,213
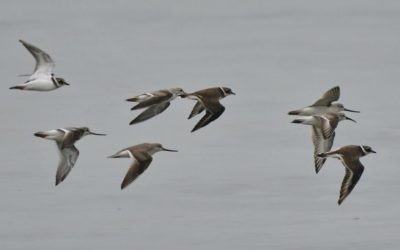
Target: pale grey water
245,181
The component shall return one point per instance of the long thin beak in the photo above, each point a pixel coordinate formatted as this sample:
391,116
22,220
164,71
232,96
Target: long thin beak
233,93
349,110
348,118
96,134
65,83
170,150
372,151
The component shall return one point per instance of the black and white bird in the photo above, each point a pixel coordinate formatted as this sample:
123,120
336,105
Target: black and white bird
42,78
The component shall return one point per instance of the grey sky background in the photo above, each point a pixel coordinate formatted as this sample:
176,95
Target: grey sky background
247,180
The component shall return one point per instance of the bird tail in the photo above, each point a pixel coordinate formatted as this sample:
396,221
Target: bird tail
40,134
298,121
294,112
17,87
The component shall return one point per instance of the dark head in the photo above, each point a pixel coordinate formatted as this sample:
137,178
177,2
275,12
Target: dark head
367,149
86,131
227,91
61,81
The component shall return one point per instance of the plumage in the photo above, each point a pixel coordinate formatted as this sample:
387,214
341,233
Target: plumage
350,157
208,99
324,105
156,102
142,154
65,139
42,78
321,145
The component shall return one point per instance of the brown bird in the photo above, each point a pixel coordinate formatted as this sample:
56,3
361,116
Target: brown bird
142,154
155,102
350,157
65,139
208,99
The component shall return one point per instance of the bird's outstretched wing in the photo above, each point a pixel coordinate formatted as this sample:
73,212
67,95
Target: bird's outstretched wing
44,63
321,145
197,109
156,97
354,170
68,157
139,165
214,109
150,112
328,97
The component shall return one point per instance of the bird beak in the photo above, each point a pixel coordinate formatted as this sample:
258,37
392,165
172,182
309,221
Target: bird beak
372,151
348,118
349,110
233,93
170,150
96,133
65,83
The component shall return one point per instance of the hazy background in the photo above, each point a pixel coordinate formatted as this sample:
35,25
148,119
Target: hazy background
247,180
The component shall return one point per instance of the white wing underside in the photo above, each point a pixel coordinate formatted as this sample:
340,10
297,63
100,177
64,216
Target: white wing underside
44,63
320,146
68,157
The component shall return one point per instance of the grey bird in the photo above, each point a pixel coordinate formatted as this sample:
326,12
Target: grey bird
65,139
323,133
155,103
142,155
42,78
324,105
208,100
350,157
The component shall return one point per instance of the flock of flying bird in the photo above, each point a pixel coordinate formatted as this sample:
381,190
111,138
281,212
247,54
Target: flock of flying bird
42,79
323,116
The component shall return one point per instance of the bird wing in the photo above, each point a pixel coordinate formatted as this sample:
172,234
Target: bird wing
138,166
214,109
321,145
150,112
197,109
68,157
44,63
328,97
328,124
157,98
354,170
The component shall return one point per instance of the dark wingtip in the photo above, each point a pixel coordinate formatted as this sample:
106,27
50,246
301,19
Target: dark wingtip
297,121
293,112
